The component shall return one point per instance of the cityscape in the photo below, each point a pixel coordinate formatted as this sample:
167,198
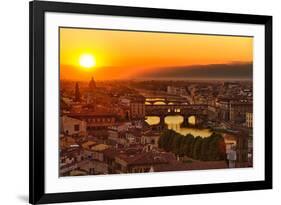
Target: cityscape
168,114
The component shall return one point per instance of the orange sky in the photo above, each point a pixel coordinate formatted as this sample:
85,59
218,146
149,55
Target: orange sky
127,54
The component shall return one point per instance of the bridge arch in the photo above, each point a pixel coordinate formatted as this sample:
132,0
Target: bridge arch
159,103
153,120
192,120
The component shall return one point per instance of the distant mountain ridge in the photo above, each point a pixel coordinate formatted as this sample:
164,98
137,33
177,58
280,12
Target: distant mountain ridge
220,71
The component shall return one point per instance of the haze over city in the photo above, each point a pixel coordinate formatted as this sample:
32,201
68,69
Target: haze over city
147,55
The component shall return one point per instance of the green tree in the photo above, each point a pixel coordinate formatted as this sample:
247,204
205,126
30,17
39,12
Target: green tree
208,149
196,152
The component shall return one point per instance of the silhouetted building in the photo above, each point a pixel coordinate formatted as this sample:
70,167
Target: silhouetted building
92,85
137,108
238,111
224,109
77,96
234,109
91,94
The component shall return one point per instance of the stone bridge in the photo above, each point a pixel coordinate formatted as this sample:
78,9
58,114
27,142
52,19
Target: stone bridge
200,112
166,100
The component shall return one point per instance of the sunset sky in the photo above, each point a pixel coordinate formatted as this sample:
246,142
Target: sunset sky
110,54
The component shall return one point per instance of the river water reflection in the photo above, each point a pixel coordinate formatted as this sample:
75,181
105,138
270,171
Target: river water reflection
174,123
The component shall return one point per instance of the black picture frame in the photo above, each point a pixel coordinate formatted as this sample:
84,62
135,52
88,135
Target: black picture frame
37,194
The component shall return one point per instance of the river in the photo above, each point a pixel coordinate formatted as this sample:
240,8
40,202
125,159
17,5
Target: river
174,123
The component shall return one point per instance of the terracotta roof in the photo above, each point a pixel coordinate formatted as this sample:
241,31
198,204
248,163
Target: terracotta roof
99,147
195,165
114,152
70,152
146,158
91,114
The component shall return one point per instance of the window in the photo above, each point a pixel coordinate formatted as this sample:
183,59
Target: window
76,127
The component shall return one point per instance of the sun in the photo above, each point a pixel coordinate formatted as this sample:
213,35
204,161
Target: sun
87,61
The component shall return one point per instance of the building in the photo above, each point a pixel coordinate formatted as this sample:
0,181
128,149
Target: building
93,152
232,109
77,96
176,90
238,111
95,120
124,101
72,126
223,106
151,139
212,113
69,159
137,108
115,137
242,151
133,135
138,162
231,157
249,119
92,85
90,95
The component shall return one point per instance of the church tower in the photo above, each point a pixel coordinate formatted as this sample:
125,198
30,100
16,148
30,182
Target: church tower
77,96
91,94
92,85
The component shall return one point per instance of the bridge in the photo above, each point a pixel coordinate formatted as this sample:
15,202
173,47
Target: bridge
200,112
168,100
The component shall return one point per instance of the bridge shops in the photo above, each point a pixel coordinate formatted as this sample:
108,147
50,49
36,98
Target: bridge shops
198,113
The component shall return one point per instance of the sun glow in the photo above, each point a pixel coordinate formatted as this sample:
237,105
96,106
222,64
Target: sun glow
87,61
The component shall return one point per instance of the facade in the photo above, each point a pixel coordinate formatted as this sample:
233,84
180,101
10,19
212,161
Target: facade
238,111
249,119
69,160
176,90
212,113
137,108
139,163
231,157
72,126
233,109
224,109
95,121
242,151
150,138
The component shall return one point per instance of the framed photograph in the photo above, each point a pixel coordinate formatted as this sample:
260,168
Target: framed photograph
140,102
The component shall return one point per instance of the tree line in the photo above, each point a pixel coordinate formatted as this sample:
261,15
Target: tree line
207,149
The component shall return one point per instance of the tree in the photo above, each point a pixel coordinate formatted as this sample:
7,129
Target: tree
188,145
177,139
208,149
205,149
216,149
196,152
